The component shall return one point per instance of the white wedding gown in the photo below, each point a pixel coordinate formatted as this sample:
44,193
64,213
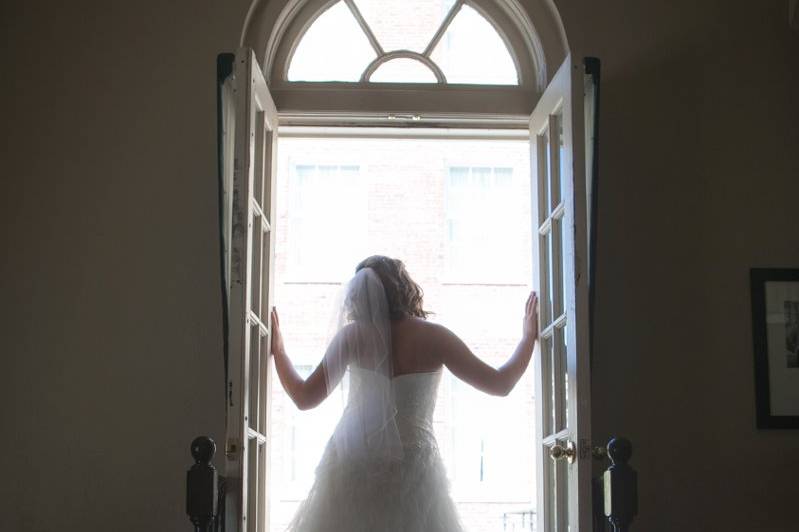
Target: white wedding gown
410,494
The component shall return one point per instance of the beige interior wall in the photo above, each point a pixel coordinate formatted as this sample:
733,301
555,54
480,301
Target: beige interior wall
111,339
699,169
110,329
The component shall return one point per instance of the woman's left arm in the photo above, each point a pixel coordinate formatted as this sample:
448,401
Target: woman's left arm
306,393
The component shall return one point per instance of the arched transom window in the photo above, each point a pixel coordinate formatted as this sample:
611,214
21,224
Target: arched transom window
425,59
407,41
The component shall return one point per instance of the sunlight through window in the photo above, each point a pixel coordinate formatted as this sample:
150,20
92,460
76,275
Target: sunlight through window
472,51
457,212
334,48
404,24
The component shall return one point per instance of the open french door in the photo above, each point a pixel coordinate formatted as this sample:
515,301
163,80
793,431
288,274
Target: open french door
557,137
249,139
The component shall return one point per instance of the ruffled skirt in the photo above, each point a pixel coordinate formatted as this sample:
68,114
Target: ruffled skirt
408,495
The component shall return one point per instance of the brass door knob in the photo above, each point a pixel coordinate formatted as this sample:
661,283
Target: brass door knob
559,452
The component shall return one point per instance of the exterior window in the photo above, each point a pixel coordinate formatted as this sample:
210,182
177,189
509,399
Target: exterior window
484,230
328,221
403,41
488,441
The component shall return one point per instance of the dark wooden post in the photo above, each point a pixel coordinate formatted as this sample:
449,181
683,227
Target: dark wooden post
202,485
620,486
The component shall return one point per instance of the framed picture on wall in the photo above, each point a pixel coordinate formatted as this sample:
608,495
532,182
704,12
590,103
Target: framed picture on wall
775,331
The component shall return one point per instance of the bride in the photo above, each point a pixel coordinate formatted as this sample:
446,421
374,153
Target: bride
381,470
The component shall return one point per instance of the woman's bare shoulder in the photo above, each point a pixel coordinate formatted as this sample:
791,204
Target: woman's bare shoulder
433,333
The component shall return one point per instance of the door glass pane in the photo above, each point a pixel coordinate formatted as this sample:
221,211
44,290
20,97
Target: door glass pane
555,153
471,51
251,518
552,266
260,145
334,48
560,380
556,478
558,295
551,486
543,244
264,315
546,386
255,271
563,254
263,385
404,24
261,521
405,70
266,200
543,176
551,387
546,394
565,362
554,379
562,156
255,375
562,492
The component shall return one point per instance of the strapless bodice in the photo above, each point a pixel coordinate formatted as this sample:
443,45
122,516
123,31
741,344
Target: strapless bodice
415,395
414,398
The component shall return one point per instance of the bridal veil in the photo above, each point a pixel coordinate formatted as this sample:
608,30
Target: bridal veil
361,347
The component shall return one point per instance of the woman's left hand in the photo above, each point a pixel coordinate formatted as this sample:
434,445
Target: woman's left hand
277,338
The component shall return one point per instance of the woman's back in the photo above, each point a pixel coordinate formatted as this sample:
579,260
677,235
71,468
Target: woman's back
413,346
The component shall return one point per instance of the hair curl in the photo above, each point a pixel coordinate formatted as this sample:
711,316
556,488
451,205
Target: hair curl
404,296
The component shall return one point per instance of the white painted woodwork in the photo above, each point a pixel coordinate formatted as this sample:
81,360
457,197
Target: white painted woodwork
562,364
251,254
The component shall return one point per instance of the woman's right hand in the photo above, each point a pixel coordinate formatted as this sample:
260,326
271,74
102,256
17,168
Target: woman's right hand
530,324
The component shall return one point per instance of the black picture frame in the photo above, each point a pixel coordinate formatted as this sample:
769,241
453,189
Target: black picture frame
759,278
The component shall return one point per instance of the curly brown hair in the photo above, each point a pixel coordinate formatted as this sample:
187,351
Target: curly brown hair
404,296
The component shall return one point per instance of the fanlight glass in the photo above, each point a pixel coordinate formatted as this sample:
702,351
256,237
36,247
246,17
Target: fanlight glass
471,51
404,24
403,70
334,48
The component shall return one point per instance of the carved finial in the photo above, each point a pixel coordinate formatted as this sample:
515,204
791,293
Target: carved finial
202,485
620,486
620,450
203,449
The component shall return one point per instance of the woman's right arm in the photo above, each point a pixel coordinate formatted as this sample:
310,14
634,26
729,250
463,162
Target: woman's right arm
308,393
460,360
